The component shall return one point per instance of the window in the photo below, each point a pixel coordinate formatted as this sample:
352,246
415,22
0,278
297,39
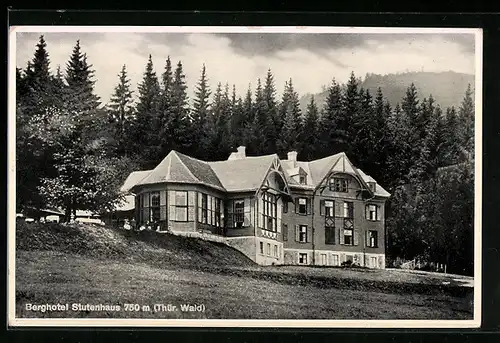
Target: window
285,231
268,251
348,237
285,206
209,211
335,260
155,207
372,212
338,185
348,210
323,260
239,213
329,209
275,251
302,258
302,233
329,235
372,239
204,208
217,212
302,179
372,185
181,206
373,261
262,248
301,206
269,212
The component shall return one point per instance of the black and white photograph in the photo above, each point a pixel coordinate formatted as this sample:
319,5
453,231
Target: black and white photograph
244,176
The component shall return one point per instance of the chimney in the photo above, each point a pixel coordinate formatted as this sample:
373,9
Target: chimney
242,152
292,156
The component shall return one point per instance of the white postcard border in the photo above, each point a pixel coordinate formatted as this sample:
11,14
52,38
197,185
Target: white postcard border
110,322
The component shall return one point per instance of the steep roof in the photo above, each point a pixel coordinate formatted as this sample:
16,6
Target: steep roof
379,190
179,168
317,170
244,174
133,179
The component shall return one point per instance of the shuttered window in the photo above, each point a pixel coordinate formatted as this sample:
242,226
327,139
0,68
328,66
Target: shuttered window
371,238
301,206
372,212
348,236
301,233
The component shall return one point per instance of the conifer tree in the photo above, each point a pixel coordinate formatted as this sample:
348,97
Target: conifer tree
292,123
120,111
274,123
348,123
80,80
331,112
38,87
452,151
165,107
259,139
146,123
180,121
466,121
310,138
248,119
221,147
201,116
237,120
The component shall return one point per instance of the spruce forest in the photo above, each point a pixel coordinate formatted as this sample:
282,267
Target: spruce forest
74,152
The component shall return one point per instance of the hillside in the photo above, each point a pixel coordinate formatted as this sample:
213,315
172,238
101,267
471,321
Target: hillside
159,249
447,88
87,266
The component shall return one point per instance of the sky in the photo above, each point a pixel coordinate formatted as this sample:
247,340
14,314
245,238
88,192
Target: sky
311,60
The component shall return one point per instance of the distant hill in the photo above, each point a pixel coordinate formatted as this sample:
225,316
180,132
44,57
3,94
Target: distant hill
447,88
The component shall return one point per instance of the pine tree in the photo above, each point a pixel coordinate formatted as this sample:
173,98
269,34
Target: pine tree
120,111
180,121
400,157
146,124
39,73
452,152
261,124
37,87
238,120
248,119
165,107
275,122
466,121
310,137
79,77
348,123
423,117
427,163
328,123
221,114
292,123
201,116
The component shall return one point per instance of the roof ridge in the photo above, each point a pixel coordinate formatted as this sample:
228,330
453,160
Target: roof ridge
185,166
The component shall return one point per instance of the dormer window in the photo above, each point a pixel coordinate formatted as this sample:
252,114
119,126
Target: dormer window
372,185
302,179
338,184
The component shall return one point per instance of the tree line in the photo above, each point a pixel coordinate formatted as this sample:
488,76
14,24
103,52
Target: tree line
73,151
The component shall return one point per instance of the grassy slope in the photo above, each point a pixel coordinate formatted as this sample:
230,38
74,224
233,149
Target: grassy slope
103,266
